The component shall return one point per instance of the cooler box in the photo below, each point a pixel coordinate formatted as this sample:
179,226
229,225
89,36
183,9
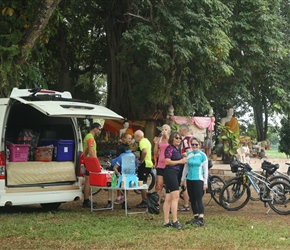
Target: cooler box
63,149
98,179
92,164
18,152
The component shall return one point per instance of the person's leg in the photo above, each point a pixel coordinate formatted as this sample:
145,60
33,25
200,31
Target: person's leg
159,184
166,208
174,204
191,190
87,188
87,202
198,204
109,204
185,206
143,173
185,199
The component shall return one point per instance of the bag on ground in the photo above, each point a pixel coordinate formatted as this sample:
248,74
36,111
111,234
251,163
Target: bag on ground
152,203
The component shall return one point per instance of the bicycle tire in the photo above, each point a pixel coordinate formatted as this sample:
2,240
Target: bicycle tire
279,193
151,180
234,195
279,178
215,185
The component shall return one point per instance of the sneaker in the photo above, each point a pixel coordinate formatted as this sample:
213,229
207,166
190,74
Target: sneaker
142,204
123,206
118,201
192,221
109,205
183,209
177,225
198,223
88,204
169,224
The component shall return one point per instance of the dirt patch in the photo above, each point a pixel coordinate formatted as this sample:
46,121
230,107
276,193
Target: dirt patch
254,210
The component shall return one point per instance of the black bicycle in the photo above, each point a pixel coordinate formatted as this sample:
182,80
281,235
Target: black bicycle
236,194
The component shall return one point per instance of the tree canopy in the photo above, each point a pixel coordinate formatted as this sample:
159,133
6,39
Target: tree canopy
148,55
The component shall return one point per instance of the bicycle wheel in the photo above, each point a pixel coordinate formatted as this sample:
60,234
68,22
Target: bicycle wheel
279,178
151,180
279,195
234,195
216,184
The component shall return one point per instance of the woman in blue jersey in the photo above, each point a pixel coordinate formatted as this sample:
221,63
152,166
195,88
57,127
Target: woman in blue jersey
196,174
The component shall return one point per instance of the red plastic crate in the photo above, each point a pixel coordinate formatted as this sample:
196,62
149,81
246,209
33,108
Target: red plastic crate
18,152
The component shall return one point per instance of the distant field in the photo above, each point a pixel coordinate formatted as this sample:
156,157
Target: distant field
273,152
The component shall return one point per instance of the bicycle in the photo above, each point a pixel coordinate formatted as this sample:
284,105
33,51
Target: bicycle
236,194
269,171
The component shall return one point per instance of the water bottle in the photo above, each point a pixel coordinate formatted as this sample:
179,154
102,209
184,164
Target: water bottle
128,162
114,180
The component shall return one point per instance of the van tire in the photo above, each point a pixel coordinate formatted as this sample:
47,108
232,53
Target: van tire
50,206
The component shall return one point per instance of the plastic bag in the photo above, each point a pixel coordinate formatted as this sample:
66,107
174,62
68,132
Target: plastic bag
152,203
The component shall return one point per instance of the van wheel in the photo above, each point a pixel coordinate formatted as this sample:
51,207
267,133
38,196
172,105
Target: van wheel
50,206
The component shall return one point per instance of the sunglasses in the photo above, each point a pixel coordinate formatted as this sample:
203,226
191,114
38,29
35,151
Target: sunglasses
195,144
177,138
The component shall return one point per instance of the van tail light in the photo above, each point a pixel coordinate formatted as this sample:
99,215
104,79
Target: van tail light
82,165
2,165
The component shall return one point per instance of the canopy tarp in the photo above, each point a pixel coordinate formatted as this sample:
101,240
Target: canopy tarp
114,126
200,122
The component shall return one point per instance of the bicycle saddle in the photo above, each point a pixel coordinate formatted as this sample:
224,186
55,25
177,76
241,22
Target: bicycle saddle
269,167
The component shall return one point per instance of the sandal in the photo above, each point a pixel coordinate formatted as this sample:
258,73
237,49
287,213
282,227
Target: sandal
184,209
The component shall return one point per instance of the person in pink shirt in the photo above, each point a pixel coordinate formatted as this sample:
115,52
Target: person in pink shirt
160,144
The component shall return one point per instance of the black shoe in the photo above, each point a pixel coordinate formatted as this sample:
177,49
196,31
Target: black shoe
142,204
88,204
177,225
123,206
169,224
192,221
198,222
109,205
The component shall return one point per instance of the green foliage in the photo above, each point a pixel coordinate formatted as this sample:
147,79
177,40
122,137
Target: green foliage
231,141
284,134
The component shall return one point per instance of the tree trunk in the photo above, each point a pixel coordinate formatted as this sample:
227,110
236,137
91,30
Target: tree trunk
119,96
44,12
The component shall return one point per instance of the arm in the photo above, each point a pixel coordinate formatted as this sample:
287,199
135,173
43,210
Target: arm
169,162
91,150
205,172
143,155
156,145
116,169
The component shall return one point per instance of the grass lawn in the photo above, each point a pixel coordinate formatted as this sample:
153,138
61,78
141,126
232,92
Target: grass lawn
73,227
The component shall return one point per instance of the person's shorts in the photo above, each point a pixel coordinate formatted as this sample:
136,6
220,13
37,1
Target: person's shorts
143,172
160,171
171,180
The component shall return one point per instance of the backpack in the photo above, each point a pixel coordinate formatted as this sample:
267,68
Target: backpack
152,203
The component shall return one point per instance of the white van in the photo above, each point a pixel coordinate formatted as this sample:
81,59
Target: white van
52,117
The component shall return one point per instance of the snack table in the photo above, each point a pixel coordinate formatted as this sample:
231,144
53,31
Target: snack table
143,187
